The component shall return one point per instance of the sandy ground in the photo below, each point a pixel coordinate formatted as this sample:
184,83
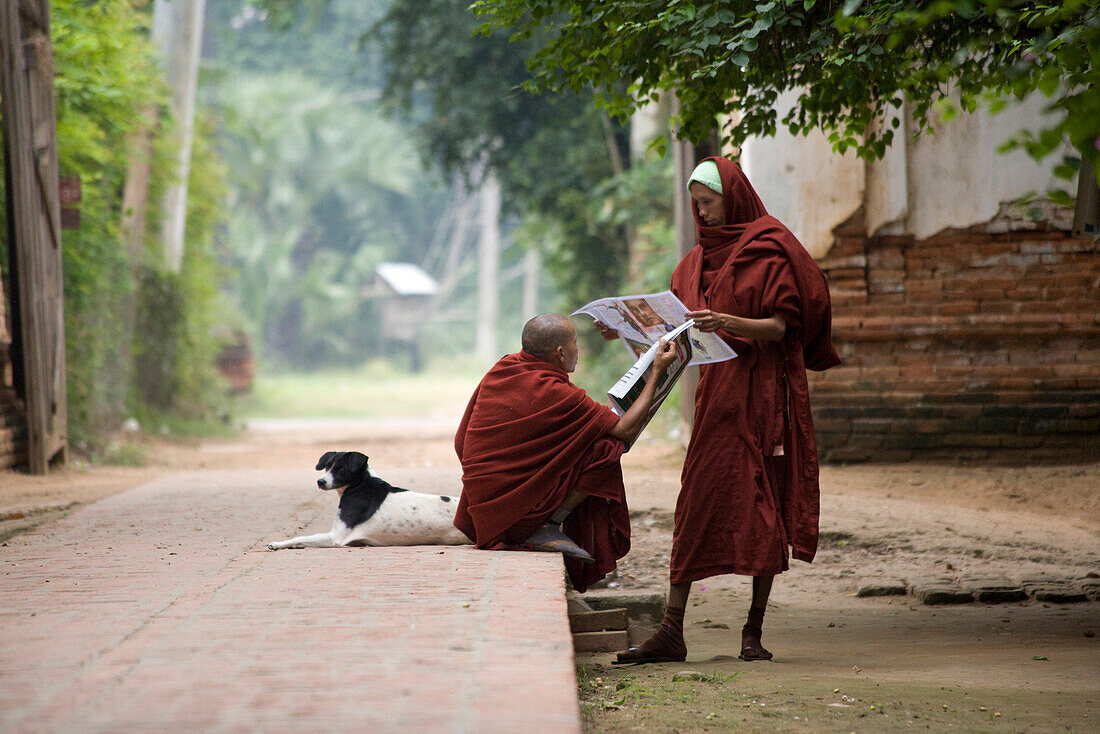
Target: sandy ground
843,662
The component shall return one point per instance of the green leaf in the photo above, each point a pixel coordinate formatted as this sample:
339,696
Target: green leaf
1061,197
1049,83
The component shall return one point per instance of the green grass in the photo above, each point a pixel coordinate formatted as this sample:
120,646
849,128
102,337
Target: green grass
375,390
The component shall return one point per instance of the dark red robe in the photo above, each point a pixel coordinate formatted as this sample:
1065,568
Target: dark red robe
741,507
529,436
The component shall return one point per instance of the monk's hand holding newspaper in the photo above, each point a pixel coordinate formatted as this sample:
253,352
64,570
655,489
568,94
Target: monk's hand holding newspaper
666,354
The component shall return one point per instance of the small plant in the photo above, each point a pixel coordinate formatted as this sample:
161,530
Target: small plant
124,454
717,677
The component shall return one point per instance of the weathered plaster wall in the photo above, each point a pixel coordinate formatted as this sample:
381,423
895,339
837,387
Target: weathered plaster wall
803,183
968,329
957,178
952,178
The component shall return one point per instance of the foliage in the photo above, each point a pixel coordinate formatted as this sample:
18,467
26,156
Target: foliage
324,187
105,76
322,193
374,389
208,318
465,96
549,151
161,315
108,85
851,64
179,317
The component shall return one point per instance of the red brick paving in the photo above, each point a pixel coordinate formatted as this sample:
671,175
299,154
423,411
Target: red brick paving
161,609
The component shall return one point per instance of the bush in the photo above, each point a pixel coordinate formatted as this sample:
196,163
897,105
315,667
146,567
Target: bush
108,87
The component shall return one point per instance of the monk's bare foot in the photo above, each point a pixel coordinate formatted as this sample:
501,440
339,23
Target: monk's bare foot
751,649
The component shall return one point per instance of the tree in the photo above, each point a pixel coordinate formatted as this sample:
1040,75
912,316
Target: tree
322,193
106,78
850,63
550,152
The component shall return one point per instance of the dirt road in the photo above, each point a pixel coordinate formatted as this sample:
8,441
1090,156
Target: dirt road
843,662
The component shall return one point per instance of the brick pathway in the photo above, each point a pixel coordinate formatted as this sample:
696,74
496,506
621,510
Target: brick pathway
161,609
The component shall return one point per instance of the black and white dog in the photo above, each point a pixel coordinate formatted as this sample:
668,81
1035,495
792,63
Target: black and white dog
372,512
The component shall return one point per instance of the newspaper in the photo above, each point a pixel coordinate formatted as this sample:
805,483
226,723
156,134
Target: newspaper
642,320
624,392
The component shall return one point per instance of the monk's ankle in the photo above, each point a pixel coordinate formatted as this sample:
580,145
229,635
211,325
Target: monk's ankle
668,640
674,617
751,645
755,619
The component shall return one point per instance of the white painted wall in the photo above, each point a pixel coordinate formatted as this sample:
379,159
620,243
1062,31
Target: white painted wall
957,178
803,183
954,178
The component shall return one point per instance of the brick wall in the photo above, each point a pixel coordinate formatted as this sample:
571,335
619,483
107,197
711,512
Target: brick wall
979,343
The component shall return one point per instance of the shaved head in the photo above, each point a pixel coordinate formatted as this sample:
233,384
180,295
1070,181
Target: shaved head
544,334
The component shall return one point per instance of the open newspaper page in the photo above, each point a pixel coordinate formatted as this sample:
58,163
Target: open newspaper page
624,392
642,320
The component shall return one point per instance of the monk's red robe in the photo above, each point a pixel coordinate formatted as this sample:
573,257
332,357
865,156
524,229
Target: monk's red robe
529,436
741,507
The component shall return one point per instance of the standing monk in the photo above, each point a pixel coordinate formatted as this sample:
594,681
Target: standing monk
540,459
749,487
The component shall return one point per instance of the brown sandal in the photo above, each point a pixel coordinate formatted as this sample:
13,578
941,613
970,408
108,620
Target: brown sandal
640,656
751,649
666,645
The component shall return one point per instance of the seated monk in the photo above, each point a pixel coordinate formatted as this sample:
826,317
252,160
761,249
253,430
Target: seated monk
540,459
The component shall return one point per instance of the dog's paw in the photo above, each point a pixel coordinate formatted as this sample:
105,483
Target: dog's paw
273,546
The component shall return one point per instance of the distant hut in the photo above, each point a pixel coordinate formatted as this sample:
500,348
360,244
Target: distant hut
404,292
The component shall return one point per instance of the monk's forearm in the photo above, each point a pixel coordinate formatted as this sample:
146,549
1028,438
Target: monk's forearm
771,329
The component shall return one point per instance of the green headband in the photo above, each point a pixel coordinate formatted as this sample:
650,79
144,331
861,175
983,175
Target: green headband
706,173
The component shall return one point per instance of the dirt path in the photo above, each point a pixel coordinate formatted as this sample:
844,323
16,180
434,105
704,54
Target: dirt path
843,662
848,663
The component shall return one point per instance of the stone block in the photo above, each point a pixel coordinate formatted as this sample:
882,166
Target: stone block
1091,587
643,606
882,587
993,589
935,592
1054,591
598,621
608,641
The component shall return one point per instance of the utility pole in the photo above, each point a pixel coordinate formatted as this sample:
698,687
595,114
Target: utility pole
177,31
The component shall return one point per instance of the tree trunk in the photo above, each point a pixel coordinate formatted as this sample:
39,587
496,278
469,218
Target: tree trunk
488,285
177,31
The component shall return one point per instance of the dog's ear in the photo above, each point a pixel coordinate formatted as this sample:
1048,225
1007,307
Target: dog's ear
326,460
355,462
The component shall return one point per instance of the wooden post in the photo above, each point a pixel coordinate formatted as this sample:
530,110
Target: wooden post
34,227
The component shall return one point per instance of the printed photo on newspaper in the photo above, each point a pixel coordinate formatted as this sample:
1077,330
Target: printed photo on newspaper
642,320
624,392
